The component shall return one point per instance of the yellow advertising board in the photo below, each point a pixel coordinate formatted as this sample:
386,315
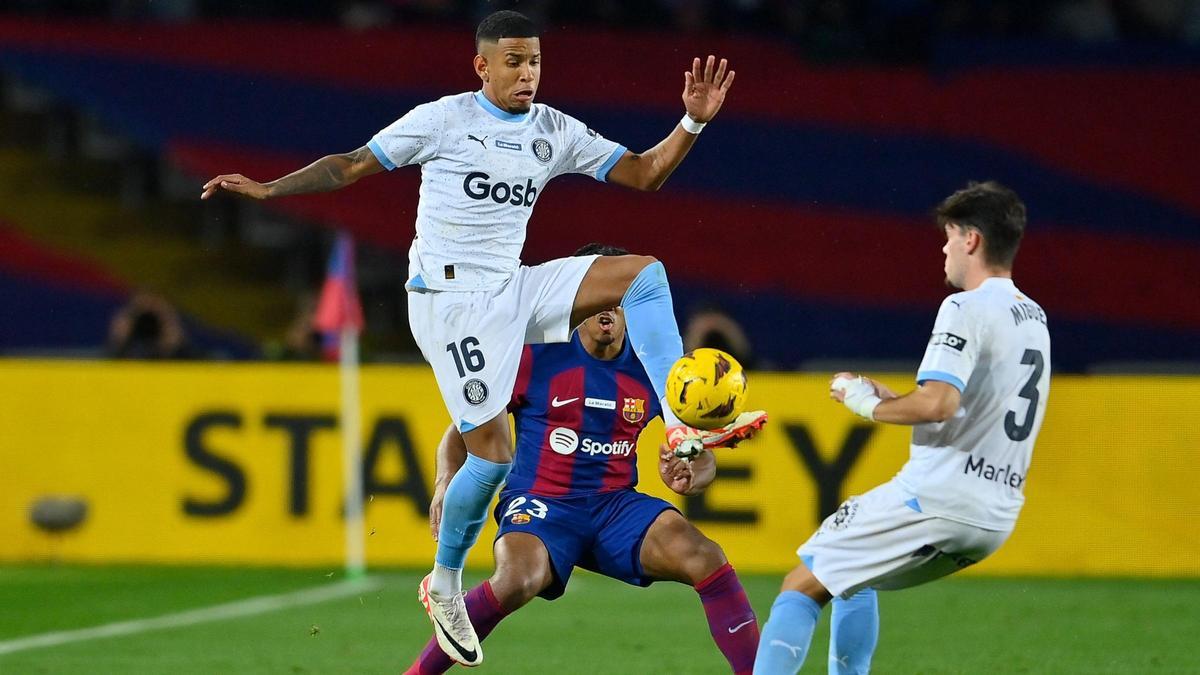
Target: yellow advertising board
241,463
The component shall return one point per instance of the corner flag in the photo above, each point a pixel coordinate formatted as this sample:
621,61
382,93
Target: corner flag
340,318
339,307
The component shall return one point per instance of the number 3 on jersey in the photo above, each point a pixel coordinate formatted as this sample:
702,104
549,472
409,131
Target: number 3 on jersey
466,353
1019,432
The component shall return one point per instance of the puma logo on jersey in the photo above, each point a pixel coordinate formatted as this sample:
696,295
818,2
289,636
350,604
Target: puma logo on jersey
480,140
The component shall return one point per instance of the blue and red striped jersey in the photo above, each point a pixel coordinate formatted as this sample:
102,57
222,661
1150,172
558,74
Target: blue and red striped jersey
577,420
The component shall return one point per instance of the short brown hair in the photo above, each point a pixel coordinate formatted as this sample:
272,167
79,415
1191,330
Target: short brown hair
992,209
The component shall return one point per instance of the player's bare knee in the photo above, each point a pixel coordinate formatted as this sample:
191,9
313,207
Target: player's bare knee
530,586
497,453
802,580
491,441
707,557
514,588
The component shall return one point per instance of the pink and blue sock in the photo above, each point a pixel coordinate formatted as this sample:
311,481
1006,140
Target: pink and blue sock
787,634
854,632
731,619
653,332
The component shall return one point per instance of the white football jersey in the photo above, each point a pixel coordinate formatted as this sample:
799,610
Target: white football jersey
992,344
482,171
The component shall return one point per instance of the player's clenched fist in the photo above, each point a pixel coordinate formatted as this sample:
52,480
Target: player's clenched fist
237,184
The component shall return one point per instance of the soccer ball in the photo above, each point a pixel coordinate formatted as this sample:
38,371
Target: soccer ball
706,388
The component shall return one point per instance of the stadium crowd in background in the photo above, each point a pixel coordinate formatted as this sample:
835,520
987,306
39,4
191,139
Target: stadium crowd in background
824,30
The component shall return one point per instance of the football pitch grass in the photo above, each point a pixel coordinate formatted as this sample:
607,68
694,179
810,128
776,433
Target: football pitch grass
967,625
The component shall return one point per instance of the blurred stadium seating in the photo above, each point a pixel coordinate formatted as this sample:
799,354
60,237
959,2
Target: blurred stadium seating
803,211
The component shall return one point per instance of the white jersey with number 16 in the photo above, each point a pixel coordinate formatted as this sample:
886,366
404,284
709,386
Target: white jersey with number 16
992,344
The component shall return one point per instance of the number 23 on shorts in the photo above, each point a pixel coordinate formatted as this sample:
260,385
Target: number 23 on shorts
519,516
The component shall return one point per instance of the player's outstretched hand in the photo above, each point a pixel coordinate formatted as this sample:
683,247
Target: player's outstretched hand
237,184
704,89
676,473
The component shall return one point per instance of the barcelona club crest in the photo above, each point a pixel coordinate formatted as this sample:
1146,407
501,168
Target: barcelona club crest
520,519
634,410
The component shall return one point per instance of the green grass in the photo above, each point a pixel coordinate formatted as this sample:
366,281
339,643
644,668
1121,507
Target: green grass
970,625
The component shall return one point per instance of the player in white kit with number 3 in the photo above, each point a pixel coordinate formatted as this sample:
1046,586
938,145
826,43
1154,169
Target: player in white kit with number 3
980,401
485,158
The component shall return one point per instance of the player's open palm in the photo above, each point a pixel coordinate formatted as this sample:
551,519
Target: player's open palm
237,184
704,88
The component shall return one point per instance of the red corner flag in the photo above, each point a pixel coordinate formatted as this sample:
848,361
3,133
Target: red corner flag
339,308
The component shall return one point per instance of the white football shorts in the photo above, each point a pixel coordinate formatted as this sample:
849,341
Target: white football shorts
474,339
882,540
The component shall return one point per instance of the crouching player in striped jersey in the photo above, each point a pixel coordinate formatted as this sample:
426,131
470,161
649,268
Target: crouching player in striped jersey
570,500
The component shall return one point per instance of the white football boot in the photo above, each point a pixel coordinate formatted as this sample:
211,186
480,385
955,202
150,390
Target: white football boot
451,626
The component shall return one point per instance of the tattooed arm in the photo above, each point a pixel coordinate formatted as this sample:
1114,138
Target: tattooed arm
328,173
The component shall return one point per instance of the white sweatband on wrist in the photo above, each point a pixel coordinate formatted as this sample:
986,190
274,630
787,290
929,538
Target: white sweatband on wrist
690,125
859,396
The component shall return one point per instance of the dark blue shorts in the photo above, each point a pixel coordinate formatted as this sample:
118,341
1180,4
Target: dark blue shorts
602,533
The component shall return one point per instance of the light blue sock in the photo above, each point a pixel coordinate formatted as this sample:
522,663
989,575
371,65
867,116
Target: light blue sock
854,633
650,321
785,638
465,508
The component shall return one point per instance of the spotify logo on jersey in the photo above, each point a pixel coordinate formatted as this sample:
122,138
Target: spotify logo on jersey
564,441
476,186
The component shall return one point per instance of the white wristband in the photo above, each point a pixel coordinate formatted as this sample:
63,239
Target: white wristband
859,396
690,125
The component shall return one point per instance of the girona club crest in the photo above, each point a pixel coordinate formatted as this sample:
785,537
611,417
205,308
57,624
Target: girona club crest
634,410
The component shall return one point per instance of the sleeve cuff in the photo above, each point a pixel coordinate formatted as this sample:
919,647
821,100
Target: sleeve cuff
941,376
602,172
380,155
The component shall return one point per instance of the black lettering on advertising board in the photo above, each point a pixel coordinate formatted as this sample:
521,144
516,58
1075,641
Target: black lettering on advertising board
829,476
299,429
203,457
389,435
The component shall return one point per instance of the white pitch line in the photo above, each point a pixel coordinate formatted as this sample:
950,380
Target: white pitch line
232,610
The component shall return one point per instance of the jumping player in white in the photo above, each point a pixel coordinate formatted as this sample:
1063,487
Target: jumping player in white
976,412
485,158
